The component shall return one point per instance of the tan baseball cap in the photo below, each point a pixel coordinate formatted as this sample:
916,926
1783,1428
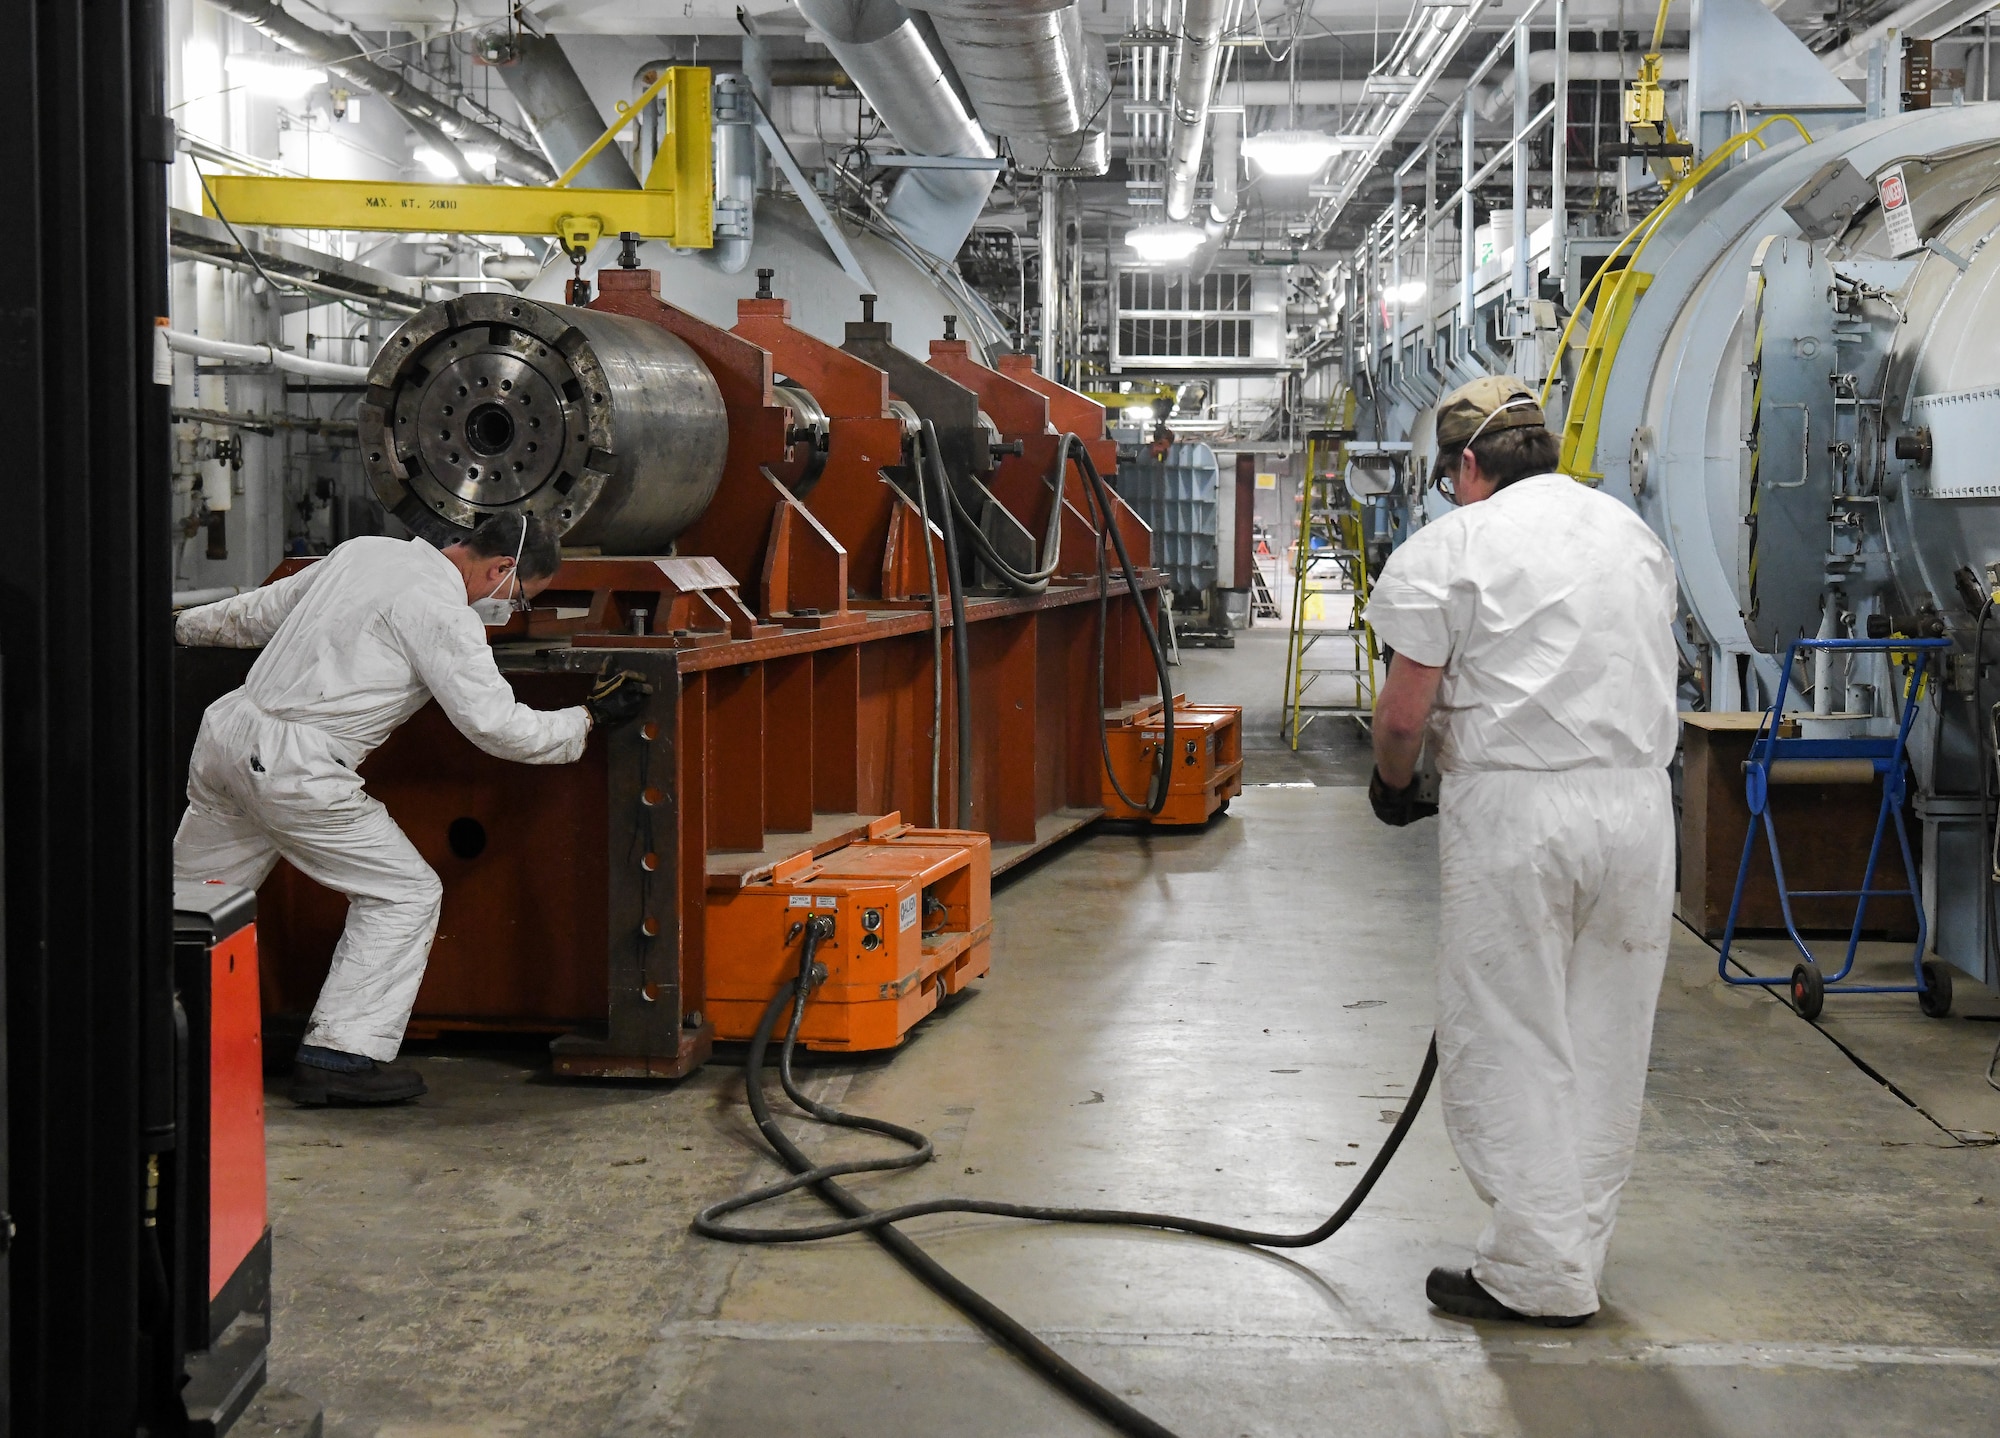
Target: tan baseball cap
1490,403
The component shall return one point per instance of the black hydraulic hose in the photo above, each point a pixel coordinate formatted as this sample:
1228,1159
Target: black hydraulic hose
1163,771
961,648
879,1224
1029,582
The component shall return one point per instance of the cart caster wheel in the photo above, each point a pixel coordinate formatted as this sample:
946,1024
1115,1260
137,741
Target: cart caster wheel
1808,991
1935,996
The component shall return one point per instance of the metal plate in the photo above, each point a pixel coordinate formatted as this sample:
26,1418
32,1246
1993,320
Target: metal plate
1965,434
490,426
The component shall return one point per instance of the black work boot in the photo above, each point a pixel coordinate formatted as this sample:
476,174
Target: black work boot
322,1076
1457,1292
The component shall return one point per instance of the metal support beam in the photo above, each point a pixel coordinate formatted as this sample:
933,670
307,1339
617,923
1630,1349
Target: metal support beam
1048,280
1468,255
1559,150
829,229
1518,151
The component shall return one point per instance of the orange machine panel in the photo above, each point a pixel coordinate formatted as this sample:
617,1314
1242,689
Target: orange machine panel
236,1189
1206,765
912,922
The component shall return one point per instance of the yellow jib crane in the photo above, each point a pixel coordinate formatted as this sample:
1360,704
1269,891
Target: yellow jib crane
676,202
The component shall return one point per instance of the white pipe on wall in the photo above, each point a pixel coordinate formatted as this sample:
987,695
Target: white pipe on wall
270,355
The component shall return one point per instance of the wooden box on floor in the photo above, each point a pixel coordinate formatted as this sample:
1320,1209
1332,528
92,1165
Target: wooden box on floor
1824,831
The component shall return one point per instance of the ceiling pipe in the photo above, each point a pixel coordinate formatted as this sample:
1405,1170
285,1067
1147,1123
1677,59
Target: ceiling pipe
1584,67
556,108
810,73
1033,75
881,49
1197,60
1226,154
436,123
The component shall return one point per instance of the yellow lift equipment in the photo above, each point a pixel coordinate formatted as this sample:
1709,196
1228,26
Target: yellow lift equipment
675,204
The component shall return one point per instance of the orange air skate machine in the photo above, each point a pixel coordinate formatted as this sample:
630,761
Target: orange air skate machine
789,644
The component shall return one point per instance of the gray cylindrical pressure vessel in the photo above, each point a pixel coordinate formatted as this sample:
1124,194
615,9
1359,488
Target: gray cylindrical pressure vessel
610,429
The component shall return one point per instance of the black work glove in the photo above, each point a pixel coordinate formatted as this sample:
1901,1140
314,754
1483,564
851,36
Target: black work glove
1397,807
617,699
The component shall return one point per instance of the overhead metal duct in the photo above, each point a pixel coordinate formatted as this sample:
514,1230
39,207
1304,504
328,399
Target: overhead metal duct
438,123
1034,75
1197,59
879,46
557,109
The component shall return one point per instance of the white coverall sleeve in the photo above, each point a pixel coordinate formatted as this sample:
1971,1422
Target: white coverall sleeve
446,645
1409,607
245,621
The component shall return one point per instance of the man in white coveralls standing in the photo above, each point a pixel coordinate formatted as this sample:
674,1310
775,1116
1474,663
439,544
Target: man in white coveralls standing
1532,638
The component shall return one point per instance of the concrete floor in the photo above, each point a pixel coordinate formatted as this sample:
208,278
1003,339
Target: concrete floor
1223,1023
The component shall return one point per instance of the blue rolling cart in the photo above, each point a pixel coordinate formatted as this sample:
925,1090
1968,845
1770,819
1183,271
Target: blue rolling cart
1887,761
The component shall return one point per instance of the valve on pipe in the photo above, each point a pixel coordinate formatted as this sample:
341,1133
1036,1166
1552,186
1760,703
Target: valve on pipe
607,428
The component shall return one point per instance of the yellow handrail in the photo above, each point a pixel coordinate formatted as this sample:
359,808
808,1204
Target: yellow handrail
1644,230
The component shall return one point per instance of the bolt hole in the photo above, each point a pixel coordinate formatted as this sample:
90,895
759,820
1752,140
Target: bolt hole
489,429
467,838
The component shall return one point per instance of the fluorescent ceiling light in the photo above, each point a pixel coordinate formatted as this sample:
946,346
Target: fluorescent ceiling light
268,72
1164,242
1291,152
436,163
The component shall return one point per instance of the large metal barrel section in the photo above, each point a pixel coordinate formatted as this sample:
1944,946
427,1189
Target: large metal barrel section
610,429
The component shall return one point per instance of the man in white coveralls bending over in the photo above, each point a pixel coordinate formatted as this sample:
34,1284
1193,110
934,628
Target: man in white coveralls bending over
354,645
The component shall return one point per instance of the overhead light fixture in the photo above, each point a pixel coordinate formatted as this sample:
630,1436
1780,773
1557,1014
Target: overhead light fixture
274,74
1164,242
436,163
1139,414
1292,152
1407,293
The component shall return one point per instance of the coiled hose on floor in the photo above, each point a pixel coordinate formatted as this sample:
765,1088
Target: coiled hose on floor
879,1224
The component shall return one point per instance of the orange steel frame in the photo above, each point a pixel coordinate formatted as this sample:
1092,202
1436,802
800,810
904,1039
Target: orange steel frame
789,646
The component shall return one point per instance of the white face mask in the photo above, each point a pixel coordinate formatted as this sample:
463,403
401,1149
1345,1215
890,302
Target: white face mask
493,611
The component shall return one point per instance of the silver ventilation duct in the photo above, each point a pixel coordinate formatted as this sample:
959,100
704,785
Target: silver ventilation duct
880,48
1034,75
1197,59
556,108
